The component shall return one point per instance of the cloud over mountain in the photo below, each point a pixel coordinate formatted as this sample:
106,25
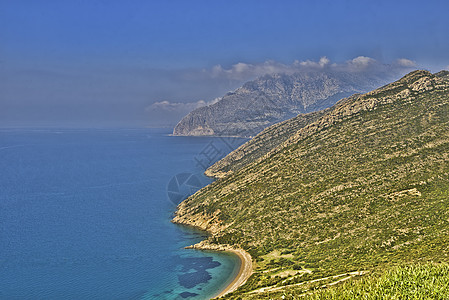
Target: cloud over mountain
168,113
140,95
248,71
220,78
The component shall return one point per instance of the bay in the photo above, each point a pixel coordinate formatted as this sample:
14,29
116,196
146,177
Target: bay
85,214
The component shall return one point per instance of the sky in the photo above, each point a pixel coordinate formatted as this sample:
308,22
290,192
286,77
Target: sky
140,63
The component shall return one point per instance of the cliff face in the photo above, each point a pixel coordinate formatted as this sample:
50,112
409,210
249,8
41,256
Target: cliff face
271,99
359,186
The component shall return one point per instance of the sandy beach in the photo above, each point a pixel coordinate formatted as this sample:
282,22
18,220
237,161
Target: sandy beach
246,265
246,269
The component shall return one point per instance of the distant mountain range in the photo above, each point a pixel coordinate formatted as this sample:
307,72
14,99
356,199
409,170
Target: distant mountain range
273,98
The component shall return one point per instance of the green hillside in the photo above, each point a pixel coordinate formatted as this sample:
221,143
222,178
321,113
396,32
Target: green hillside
362,188
265,142
420,282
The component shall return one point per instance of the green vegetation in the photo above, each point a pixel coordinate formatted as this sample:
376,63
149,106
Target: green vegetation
263,143
413,282
362,189
429,281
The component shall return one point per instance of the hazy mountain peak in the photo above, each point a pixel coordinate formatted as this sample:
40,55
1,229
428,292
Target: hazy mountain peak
273,98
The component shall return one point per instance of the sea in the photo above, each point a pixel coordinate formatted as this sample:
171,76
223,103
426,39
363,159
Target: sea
85,214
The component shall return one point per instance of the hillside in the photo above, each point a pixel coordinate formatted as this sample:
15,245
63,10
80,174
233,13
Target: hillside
429,281
363,187
273,137
273,98
269,139
419,281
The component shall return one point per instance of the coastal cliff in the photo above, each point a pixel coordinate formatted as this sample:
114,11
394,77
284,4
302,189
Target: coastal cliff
212,225
360,186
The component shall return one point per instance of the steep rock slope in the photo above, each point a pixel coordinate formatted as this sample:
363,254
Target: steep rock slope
271,99
364,186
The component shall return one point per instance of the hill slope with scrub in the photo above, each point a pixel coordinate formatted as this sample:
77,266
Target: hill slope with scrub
358,188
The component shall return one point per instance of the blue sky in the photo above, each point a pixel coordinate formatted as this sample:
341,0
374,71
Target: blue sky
95,63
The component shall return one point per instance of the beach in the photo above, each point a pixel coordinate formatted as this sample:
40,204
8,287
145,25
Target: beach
245,270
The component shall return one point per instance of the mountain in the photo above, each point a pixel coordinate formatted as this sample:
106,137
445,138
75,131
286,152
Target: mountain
274,98
273,136
349,191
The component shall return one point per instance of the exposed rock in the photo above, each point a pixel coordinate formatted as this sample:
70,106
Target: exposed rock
271,99
443,74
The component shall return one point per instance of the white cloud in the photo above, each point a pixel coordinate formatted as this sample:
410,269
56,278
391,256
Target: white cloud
362,61
173,106
244,71
324,61
321,63
168,113
241,67
168,106
404,62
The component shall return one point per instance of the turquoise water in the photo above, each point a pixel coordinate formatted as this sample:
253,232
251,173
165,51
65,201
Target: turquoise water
85,214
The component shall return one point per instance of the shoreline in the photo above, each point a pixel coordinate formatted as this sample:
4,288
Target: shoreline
245,270
211,225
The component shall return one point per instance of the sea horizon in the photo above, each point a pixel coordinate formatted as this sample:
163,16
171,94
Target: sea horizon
86,214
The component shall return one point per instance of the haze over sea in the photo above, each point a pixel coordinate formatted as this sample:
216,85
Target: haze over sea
84,214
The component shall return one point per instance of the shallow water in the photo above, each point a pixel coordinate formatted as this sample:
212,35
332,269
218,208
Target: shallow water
85,214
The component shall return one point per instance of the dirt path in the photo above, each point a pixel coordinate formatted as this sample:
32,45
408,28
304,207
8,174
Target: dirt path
277,288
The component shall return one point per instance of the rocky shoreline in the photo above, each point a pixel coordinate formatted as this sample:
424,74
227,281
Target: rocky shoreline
212,225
